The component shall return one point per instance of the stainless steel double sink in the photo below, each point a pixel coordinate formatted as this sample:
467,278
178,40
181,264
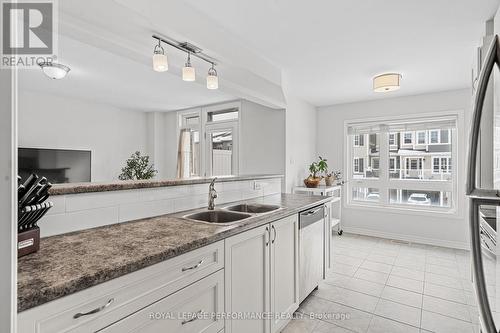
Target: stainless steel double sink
231,214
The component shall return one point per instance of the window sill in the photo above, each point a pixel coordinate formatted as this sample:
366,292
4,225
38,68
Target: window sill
451,213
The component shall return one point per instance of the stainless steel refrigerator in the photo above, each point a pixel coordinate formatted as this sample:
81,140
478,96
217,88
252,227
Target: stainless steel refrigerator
483,185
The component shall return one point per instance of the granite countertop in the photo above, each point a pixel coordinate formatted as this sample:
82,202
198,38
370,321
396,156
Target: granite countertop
75,188
75,261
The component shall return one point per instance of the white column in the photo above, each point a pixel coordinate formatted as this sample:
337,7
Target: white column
8,200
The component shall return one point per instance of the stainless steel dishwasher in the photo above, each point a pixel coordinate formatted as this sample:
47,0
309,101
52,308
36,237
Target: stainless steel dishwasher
311,239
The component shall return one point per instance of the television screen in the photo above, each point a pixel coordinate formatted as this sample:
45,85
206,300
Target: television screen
57,165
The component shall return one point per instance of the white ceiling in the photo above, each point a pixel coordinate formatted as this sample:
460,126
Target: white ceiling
331,49
102,77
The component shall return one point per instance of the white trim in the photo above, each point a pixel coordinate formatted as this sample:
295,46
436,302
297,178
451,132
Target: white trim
407,238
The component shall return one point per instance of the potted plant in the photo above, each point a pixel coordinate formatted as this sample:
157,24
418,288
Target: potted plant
323,168
313,180
137,167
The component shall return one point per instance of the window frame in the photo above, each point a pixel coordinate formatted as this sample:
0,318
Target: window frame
384,183
393,139
404,137
438,137
418,139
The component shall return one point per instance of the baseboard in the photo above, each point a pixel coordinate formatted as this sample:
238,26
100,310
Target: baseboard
407,238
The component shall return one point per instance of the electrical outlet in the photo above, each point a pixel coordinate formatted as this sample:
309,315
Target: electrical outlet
257,185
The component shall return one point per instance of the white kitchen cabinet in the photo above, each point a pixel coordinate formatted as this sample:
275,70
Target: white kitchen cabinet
261,276
284,270
247,280
187,311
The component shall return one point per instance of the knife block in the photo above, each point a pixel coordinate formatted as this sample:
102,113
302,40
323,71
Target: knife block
28,241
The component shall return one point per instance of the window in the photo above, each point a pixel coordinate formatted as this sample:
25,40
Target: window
408,138
358,165
441,165
392,139
222,115
392,164
421,178
445,136
434,136
359,140
214,139
421,138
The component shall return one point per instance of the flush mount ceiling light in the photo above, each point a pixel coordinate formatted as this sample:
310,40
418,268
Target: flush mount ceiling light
188,71
160,61
54,70
386,82
212,78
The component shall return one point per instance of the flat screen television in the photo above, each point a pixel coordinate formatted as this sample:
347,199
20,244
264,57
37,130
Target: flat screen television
57,165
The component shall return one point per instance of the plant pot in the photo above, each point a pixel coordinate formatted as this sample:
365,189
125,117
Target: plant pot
329,180
312,182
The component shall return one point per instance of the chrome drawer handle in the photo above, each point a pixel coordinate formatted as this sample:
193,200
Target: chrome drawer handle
81,314
193,267
195,317
274,231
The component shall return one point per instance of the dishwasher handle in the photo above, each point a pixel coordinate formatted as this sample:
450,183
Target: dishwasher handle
310,216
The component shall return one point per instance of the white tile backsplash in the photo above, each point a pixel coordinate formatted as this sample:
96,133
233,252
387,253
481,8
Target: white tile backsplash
87,210
62,223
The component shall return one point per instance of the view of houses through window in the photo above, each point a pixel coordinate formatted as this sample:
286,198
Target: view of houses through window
411,166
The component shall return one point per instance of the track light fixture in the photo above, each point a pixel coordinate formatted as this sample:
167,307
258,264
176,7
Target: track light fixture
188,71
160,63
212,79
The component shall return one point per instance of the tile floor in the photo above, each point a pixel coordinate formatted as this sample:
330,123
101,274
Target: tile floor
383,286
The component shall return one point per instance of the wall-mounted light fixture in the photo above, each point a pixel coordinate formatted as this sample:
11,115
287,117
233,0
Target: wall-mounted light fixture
160,63
386,82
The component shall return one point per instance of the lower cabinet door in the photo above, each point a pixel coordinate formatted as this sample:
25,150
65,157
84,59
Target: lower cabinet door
247,281
284,271
190,310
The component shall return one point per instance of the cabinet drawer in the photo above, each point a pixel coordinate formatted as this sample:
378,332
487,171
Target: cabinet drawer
190,310
122,296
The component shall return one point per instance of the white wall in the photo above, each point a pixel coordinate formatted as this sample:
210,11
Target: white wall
262,139
49,121
435,229
300,140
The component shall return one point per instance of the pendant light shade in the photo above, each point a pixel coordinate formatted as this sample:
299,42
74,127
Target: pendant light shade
160,61
212,79
386,82
188,71
54,70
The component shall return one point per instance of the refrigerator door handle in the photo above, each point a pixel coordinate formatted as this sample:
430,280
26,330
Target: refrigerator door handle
479,196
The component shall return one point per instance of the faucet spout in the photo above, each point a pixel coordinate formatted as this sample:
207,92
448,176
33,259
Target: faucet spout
212,194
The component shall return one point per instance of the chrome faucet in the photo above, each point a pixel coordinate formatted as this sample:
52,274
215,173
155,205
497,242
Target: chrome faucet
212,194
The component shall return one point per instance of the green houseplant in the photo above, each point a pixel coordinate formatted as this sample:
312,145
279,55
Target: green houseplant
313,180
137,167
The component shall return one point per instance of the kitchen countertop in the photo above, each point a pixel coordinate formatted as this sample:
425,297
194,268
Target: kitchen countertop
75,188
75,261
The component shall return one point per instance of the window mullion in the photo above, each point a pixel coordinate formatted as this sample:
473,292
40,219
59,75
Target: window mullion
384,167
